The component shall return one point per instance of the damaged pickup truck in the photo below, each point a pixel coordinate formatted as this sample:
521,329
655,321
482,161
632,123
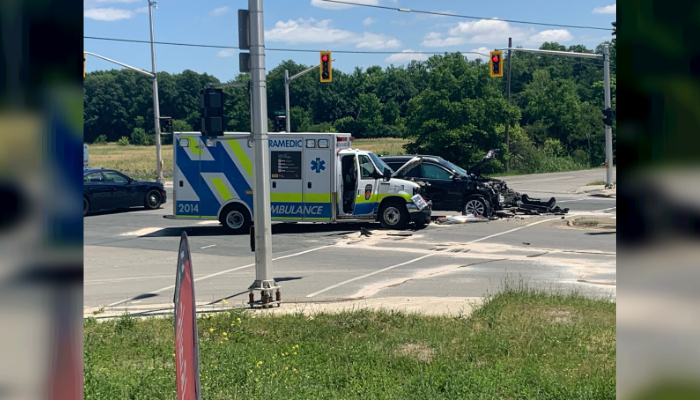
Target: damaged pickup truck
452,188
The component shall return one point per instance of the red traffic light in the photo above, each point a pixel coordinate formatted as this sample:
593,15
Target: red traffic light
495,58
324,58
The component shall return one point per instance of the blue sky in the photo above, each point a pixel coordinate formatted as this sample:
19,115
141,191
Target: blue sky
318,25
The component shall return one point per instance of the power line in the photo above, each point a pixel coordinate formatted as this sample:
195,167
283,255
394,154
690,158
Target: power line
316,51
465,16
274,49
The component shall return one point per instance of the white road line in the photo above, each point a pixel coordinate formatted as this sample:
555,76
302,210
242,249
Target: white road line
569,201
227,271
422,257
370,274
206,247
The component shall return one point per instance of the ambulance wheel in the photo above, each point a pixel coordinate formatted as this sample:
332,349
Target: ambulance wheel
394,215
153,199
235,219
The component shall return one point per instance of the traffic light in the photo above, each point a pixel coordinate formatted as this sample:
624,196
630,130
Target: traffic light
496,64
83,65
608,120
211,103
614,32
166,124
326,72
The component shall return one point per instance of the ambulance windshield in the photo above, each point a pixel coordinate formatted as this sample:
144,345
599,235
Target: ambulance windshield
381,165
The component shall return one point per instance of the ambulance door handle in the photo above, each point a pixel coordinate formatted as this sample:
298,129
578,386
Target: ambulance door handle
274,185
309,185
181,184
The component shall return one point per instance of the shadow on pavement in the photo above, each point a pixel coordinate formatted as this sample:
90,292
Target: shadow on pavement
277,229
117,211
602,233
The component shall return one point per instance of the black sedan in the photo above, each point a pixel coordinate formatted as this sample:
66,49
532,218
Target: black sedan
450,187
106,189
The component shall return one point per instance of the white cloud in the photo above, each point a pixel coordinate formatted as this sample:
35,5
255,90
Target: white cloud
368,21
405,56
554,35
312,31
219,11
337,6
226,53
434,39
112,14
493,32
606,10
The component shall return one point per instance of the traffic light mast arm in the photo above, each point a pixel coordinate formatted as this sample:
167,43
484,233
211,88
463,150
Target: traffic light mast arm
293,77
558,53
122,64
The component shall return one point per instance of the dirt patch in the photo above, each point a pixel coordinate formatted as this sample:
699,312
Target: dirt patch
560,317
419,351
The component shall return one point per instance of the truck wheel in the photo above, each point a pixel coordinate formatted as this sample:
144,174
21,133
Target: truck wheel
476,205
394,215
153,199
235,219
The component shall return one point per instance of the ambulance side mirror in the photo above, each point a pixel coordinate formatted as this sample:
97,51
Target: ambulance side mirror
387,174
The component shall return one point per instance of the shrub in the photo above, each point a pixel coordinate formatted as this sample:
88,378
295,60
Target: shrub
124,141
102,139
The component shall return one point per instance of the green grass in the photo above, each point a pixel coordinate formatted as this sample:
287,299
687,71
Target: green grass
139,162
521,344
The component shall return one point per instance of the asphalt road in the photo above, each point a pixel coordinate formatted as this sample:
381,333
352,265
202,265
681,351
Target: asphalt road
130,256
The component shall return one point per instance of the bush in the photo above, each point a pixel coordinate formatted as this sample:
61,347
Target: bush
124,141
102,139
139,137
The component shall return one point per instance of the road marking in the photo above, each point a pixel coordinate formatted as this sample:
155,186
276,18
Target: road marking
569,201
370,274
423,257
227,271
141,232
206,247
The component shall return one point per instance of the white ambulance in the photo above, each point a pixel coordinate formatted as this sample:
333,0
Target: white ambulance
314,177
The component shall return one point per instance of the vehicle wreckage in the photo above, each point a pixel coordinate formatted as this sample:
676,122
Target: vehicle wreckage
450,187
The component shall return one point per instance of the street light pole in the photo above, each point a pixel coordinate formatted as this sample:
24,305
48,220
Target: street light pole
287,81
264,281
156,105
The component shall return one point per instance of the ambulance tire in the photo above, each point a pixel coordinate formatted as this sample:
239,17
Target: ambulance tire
235,218
394,215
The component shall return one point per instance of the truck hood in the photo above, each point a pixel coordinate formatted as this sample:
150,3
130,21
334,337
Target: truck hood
412,163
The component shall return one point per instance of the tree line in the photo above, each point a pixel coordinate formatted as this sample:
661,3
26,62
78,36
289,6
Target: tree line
446,106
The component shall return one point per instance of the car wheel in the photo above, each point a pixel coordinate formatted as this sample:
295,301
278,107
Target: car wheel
476,205
153,199
235,219
86,206
394,215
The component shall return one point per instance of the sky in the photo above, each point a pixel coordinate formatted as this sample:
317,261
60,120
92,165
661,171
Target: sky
319,25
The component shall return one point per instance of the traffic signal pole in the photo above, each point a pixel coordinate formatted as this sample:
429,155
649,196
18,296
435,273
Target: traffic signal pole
287,81
510,54
606,66
264,281
608,128
156,103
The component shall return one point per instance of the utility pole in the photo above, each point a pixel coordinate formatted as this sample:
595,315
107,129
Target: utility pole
608,128
156,105
264,281
287,81
510,44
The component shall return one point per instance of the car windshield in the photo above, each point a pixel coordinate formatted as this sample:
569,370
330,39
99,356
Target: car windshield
381,165
453,167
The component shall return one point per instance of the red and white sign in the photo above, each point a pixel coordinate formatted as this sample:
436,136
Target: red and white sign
186,341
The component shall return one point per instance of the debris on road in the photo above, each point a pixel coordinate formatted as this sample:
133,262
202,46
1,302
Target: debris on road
461,219
365,232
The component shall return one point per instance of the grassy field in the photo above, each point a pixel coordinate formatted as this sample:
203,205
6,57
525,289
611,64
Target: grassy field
521,344
139,162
